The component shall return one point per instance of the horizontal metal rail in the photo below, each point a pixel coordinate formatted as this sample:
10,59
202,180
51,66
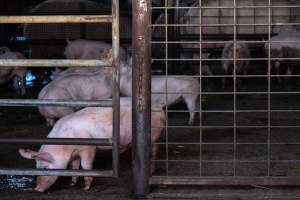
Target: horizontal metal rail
222,76
56,19
223,180
53,63
58,141
223,7
228,127
223,42
229,161
223,93
55,172
220,59
228,143
231,111
55,102
223,25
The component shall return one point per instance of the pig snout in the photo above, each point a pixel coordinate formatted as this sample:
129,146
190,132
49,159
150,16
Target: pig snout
231,55
44,182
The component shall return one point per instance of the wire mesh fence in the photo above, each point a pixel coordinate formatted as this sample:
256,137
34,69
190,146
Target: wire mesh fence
244,56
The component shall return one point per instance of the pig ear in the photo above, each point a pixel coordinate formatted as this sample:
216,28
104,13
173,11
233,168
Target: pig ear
44,156
29,154
68,41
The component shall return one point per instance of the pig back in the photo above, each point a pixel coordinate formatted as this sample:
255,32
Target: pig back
79,86
96,122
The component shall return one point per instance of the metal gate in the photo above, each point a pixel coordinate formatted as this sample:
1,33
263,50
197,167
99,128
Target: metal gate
114,102
239,136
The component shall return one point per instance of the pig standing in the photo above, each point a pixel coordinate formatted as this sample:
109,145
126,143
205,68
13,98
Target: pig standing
242,66
17,74
285,45
87,123
89,49
180,87
74,86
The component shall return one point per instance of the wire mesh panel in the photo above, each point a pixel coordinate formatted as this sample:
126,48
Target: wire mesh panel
241,59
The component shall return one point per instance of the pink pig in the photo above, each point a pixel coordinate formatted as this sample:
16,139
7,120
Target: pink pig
90,49
74,86
242,66
87,123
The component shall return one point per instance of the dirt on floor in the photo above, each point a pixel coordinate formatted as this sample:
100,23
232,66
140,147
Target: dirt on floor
191,151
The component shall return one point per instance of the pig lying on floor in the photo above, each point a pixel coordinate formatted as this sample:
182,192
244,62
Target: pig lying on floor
87,123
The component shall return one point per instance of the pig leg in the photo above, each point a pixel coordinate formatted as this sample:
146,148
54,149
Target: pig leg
87,159
226,72
50,122
75,164
289,73
190,101
277,68
154,150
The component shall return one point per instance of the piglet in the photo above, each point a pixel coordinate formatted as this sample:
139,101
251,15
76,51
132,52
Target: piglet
92,122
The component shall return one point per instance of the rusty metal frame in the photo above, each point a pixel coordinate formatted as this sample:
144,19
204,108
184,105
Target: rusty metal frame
141,96
114,102
201,39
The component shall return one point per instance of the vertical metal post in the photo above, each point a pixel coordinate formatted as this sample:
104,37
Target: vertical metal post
141,96
175,35
116,88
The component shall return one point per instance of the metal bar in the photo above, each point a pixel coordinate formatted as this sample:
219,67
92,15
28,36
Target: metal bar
221,76
221,42
116,86
226,127
220,59
223,25
200,92
228,143
221,180
224,36
231,161
141,96
222,7
53,63
55,19
269,88
58,141
230,111
234,87
55,102
55,172
166,87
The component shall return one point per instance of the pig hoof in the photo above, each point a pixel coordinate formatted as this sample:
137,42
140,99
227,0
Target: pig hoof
50,122
38,189
72,184
191,123
86,188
